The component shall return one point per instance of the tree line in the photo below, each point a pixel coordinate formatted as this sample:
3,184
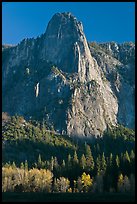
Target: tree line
54,163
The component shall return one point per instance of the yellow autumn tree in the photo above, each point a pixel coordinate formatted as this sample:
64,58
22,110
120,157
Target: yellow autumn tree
40,180
19,179
120,182
87,181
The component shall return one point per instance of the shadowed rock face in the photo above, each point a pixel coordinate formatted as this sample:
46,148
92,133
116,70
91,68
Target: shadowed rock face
85,90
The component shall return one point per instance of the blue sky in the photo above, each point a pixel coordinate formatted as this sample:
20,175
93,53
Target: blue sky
102,21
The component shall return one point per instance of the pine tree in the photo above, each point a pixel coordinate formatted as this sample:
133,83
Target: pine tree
117,161
63,164
110,159
98,164
22,165
13,165
98,183
89,159
39,162
51,163
55,186
98,148
126,163
132,183
83,161
79,185
69,161
123,183
75,158
88,150
42,125
132,159
132,155
26,165
56,164
48,164
103,163
126,184
126,157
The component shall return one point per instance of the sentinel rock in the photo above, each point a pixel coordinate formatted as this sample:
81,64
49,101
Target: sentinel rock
66,46
79,88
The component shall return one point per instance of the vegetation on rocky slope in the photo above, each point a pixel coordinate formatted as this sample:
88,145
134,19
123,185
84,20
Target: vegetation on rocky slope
36,159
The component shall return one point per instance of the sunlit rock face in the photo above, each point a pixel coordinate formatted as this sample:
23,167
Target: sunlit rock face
66,45
79,88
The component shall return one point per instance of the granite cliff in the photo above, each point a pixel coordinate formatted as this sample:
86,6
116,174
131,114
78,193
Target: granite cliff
76,87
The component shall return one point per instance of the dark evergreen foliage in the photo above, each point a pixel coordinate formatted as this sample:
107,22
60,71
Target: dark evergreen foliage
28,145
